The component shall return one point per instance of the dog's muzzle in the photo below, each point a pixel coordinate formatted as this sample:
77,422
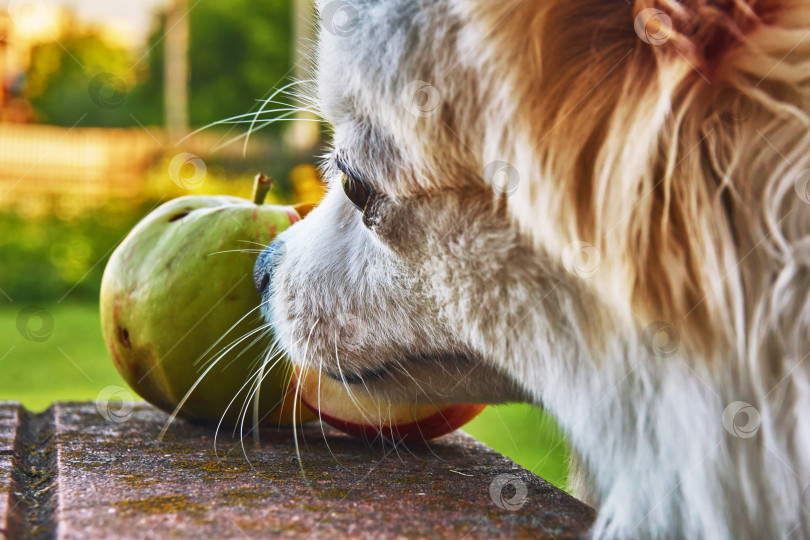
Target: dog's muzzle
266,264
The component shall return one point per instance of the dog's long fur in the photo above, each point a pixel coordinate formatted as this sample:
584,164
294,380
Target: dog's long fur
677,168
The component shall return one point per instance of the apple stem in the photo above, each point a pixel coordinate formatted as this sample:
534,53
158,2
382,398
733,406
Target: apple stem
261,187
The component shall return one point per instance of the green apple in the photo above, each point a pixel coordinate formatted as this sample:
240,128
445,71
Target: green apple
178,294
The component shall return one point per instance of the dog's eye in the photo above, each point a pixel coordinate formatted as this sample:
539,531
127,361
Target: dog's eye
356,190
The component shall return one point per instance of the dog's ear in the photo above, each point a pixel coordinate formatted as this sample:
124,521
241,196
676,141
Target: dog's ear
645,123
706,32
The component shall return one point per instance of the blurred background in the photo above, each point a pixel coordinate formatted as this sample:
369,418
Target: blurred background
85,142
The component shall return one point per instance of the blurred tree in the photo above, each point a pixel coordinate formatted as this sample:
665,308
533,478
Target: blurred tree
60,81
175,70
240,50
45,258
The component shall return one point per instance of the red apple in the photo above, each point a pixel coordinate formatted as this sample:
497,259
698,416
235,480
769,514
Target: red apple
368,417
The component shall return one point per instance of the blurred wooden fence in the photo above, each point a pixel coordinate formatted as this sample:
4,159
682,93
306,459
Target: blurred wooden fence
42,167
47,169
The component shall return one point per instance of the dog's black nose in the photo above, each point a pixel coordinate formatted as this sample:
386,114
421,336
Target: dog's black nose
268,259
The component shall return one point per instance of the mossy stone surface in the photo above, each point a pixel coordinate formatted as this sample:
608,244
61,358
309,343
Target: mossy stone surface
116,480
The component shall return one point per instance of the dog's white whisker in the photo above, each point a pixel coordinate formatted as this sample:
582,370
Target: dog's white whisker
264,124
349,392
252,395
262,108
254,382
404,370
270,355
199,380
262,368
270,100
320,418
229,330
290,112
236,251
250,380
260,244
258,335
227,121
295,402
236,121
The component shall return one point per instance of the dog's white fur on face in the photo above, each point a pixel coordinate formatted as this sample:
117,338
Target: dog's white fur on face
643,273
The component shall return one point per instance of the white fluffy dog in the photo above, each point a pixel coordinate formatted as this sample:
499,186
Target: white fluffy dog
597,206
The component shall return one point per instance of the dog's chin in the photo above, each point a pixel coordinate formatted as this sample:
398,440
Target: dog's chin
401,376
433,378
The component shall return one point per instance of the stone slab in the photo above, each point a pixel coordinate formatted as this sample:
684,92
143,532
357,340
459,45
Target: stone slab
9,420
114,479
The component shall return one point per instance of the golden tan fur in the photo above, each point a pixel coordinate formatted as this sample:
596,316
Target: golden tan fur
670,141
645,165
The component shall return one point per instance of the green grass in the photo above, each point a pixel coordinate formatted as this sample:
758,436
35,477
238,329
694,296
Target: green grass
528,436
72,363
